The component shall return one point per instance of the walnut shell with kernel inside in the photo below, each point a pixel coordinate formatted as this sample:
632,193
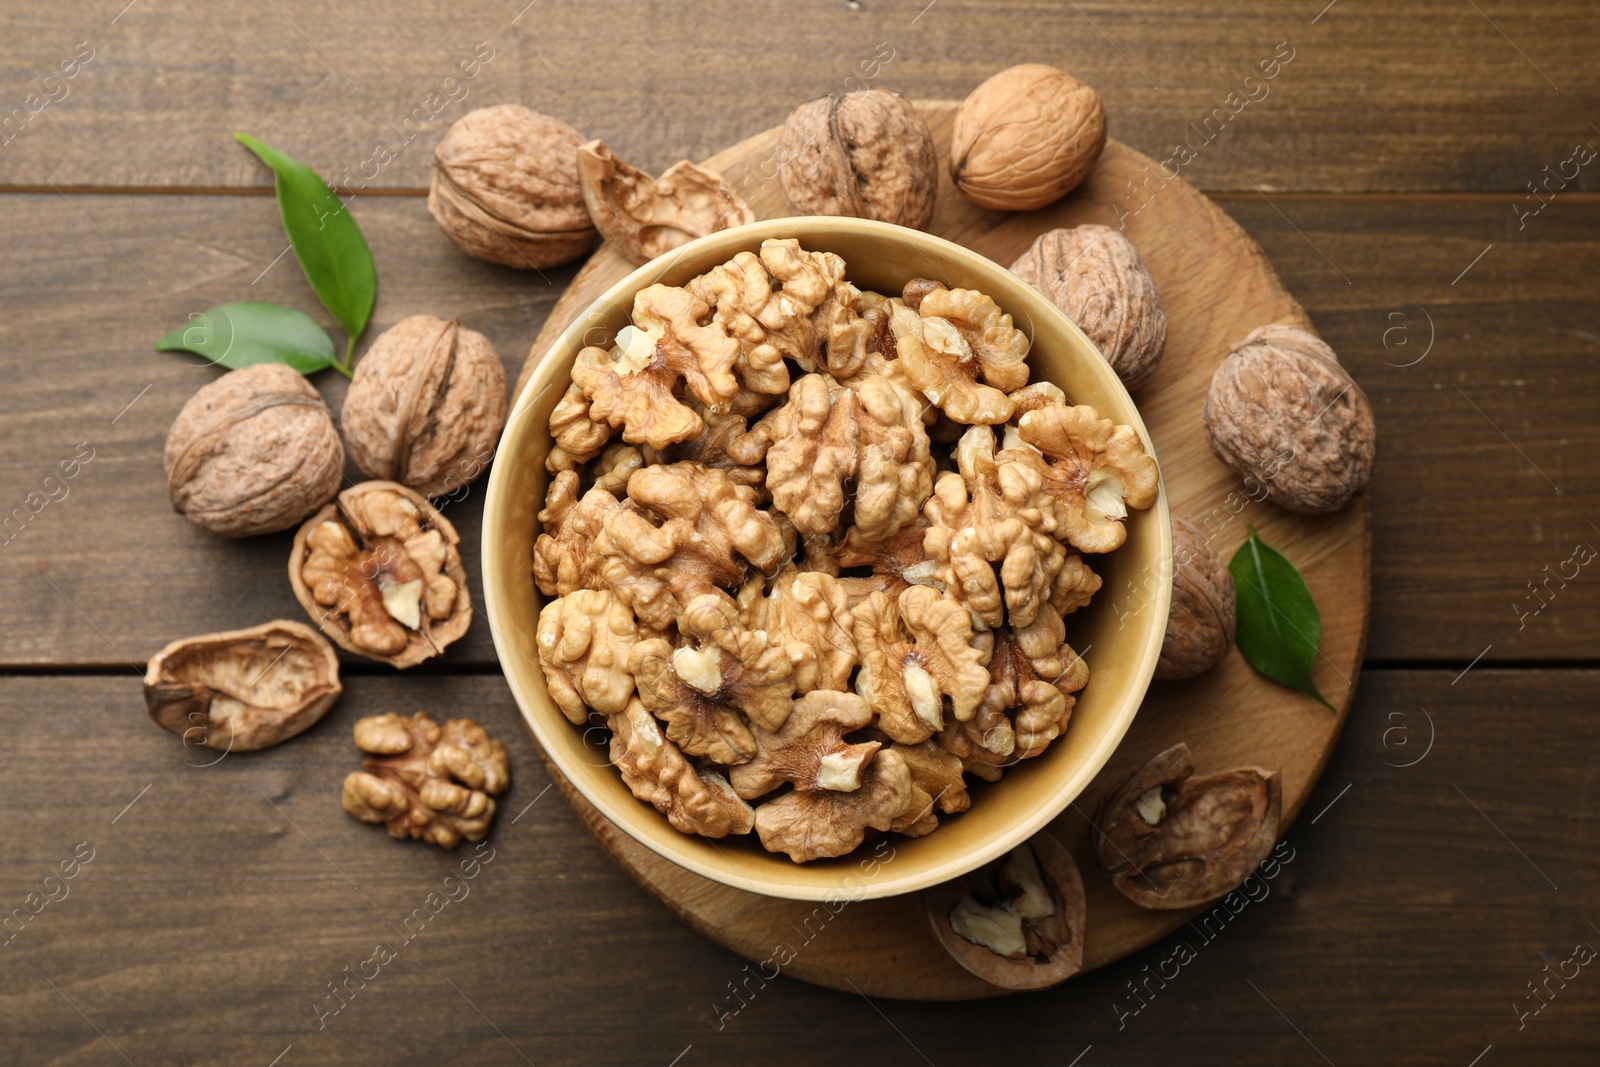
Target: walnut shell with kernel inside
253,452
1095,275
1026,138
426,405
505,188
1281,411
380,572
866,154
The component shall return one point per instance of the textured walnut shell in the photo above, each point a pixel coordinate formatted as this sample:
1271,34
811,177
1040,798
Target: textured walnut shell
1208,835
1025,138
1095,275
1066,926
253,452
505,188
867,154
1201,625
1283,412
434,635
644,217
243,690
426,405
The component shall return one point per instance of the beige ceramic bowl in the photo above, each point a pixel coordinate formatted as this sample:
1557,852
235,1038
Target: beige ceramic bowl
1121,657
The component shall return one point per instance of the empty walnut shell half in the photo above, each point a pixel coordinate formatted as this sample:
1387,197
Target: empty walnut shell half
867,154
426,405
253,452
1282,411
505,188
1171,840
379,570
1018,922
1200,627
1026,138
644,217
243,690
1096,276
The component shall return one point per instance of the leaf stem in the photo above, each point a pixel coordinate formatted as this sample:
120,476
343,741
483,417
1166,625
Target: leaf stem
349,354
342,369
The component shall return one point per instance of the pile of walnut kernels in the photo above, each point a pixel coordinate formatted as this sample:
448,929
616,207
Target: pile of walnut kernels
822,575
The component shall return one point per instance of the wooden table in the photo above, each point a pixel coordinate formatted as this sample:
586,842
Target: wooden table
1447,859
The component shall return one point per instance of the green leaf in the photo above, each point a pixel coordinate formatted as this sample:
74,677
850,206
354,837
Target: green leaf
1279,627
326,240
238,335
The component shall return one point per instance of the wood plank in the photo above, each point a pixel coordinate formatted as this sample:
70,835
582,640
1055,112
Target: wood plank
1448,99
207,924
1464,519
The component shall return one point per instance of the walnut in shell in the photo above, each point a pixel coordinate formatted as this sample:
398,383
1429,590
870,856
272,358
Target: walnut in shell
253,452
644,217
425,781
1282,411
1201,625
1018,922
867,154
1095,275
505,188
1171,840
1025,138
380,572
426,405
243,690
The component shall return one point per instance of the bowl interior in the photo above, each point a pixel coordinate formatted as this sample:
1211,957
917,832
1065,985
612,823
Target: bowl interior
1119,634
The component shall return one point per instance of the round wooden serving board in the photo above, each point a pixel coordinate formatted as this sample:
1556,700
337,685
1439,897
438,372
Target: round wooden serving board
1216,286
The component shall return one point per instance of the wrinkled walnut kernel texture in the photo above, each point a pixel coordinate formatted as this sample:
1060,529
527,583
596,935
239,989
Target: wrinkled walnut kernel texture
1281,411
426,405
253,452
425,781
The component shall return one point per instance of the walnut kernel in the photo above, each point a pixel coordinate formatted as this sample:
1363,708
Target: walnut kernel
425,781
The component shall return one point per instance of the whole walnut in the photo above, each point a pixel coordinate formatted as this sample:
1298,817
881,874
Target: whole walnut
426,405
1095,275
1200,628
1025,138
867,154
253,452
1282,411
505,188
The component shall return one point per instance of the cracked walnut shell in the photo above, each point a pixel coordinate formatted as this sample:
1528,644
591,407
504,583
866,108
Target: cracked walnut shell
1095,275
253,452
1281,411
1026,138
380,572
425,781
426,405
1171,840
867,154
243,690
644,217
505,188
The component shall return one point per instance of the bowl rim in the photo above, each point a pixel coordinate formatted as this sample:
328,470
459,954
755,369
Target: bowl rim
750,236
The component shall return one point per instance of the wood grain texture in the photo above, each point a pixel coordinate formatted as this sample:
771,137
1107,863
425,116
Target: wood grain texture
1368,101
1216,286
1463,517
208,924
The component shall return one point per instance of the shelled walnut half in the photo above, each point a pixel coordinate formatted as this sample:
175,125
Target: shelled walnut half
379,571
1017,923
243,690
426,781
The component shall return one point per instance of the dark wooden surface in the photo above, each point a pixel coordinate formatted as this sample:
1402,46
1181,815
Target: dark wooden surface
1392,150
